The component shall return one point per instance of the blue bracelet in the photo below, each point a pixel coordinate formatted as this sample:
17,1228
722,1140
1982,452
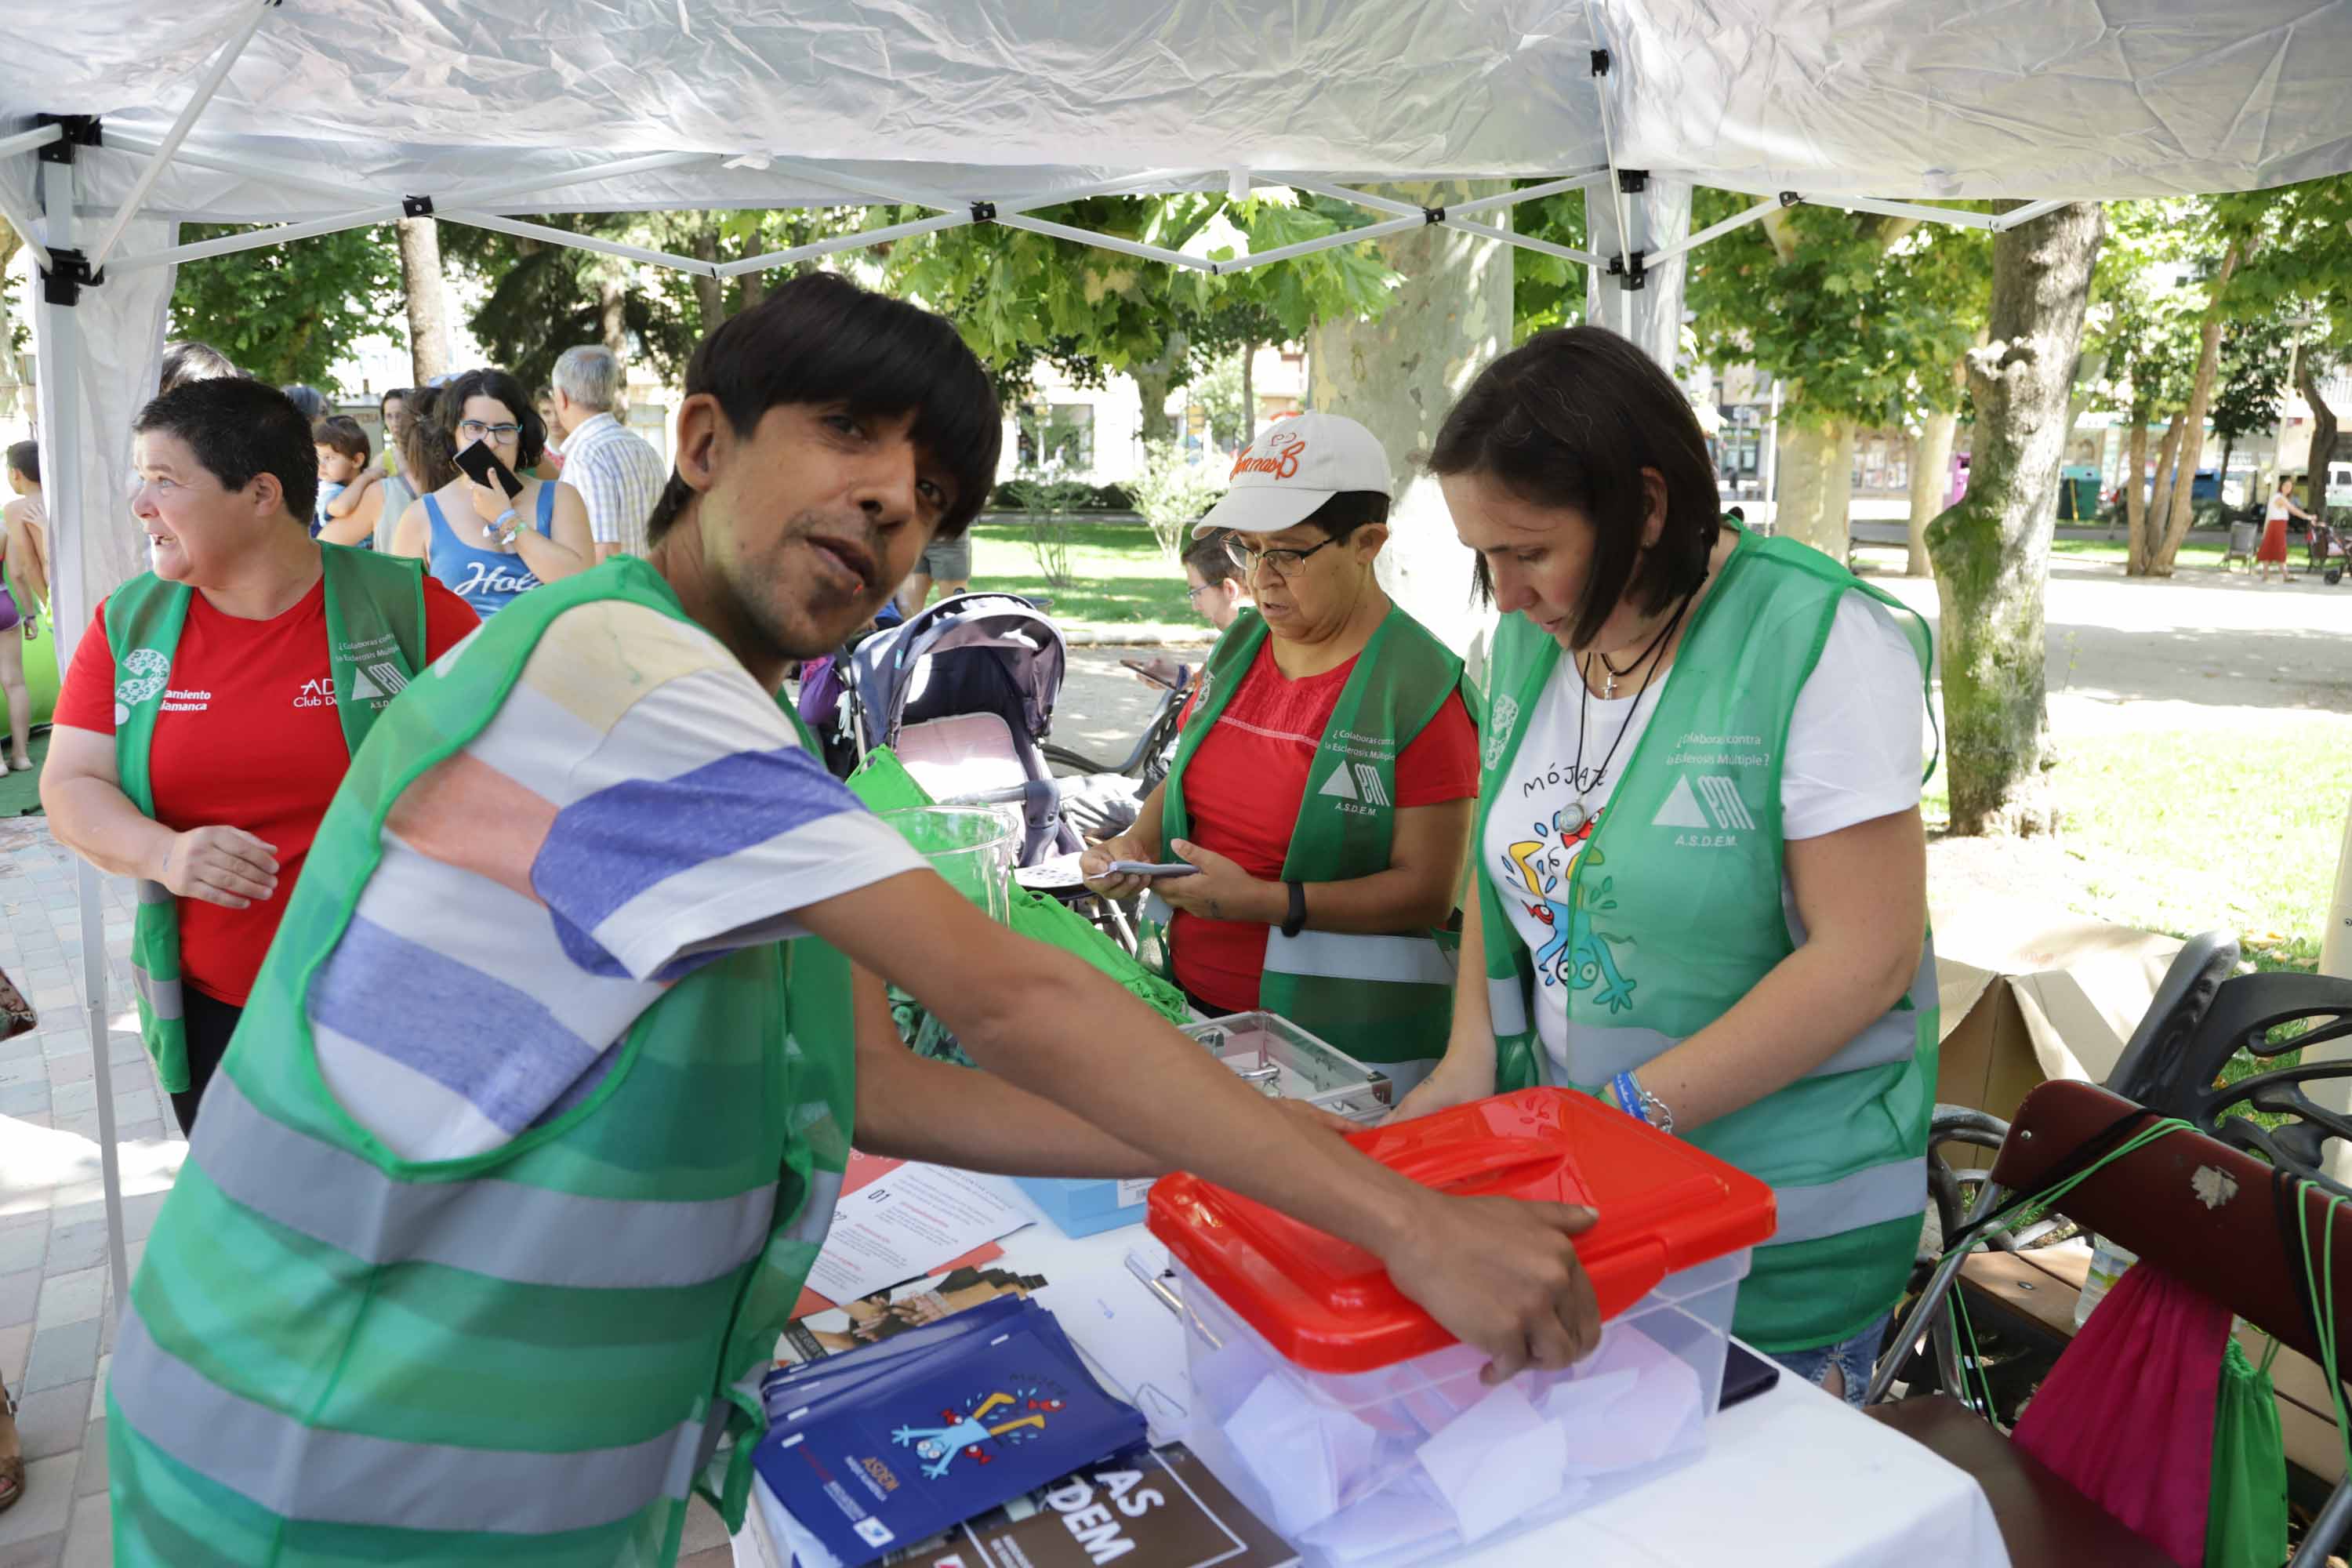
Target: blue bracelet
1629,1097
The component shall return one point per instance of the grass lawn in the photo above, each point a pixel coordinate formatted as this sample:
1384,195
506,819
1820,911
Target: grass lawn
1122,585
2181,832
2197,551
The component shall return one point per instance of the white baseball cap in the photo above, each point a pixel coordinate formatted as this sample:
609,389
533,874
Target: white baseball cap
1298,462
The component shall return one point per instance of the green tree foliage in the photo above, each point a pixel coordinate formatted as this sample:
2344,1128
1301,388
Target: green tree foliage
289,312
1862,316
2257,366
544,298
1546,290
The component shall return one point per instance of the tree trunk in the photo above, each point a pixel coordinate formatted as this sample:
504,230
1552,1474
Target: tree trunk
612,296
1931,481
2192,437
709,294
2149,531
1154,380
1992,551
2229,450
2135,481
754,290
1816,463
1249,394
1451,314
428,303
2323,434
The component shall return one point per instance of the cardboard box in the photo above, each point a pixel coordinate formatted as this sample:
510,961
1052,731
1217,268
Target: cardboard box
2025,1001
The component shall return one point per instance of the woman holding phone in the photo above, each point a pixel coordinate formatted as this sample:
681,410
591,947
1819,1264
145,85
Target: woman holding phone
490,533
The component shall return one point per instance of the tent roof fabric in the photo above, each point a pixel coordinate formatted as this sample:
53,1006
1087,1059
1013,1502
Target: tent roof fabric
994,98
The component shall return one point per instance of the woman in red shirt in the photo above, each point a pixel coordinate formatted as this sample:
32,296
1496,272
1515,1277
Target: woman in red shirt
226,702
1323,783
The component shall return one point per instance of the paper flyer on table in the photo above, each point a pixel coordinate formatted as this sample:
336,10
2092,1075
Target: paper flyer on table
903,1224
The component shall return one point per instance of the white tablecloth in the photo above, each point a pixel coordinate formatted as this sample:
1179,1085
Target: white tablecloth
1792,1479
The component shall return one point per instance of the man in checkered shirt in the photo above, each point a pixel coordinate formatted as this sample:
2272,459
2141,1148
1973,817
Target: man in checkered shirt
615,470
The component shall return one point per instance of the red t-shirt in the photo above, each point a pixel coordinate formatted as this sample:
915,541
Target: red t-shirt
247,737
1243,789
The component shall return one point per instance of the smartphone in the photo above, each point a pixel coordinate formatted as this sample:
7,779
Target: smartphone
1137,665
1745,1376
1150,868
481,465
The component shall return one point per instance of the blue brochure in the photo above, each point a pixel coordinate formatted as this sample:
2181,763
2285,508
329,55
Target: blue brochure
935,1438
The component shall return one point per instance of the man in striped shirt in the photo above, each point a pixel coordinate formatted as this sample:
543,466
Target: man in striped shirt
615,469
524,1146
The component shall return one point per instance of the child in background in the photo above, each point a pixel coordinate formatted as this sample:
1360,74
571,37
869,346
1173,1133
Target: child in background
343,455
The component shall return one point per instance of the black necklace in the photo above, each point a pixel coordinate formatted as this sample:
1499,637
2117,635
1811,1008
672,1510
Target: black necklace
1614,674
1573,816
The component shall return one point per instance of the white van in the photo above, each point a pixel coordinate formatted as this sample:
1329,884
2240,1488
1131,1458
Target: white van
2340,484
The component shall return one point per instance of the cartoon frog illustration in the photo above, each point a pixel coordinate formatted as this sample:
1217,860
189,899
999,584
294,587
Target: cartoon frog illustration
1576,954
970,1435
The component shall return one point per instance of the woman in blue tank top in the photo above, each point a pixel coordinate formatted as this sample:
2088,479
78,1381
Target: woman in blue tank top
485,548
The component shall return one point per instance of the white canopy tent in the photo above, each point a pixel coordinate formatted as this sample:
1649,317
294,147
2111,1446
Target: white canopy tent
119,121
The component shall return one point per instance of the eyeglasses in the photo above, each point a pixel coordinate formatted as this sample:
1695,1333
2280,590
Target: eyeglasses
1282,562
475,430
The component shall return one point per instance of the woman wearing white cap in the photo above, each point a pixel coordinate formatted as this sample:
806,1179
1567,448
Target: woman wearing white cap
1324,780
1703,889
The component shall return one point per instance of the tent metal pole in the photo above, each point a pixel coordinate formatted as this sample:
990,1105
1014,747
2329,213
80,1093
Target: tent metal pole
61,348
24,227
580,241
857,241
1525,242
1755,214
294,179
27,141
1608,143
1127,186
1109,242
504,194
895,195
1377,202
215,74
230,244
1584,181
1327,242
1914,210
2003,222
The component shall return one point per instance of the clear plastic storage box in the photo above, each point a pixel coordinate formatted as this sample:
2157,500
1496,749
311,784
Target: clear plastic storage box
1337,1410
1282,1060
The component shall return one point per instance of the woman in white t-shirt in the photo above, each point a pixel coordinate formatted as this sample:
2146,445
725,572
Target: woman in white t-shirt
1703,881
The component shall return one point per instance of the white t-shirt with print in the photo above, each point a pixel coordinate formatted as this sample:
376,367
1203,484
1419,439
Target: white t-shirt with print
1856,743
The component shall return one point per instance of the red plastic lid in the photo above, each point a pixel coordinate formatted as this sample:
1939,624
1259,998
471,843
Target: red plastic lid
1330,1306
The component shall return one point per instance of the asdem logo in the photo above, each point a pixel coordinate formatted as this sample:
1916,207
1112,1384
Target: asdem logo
1714,809
1356,782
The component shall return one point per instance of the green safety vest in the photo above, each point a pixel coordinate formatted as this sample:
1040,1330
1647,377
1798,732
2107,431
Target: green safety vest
527,1356
1677,906
1385,1000
375,642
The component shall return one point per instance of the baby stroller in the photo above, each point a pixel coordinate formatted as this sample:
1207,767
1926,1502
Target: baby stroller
962,693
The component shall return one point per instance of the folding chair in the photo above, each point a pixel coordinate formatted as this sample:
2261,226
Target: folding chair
2191,1203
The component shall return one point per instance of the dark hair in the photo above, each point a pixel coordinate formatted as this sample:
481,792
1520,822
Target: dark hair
340,433
239,429
1571,418
820,338
428,458
25,456
310,400
404,394
529,446
1346,511
188,360
1209,556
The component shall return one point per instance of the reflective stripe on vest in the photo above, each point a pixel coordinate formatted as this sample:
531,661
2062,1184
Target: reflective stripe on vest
1337,955
349,1478
1595,1055
505,1229
1506,1006
161,997
1872,1196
